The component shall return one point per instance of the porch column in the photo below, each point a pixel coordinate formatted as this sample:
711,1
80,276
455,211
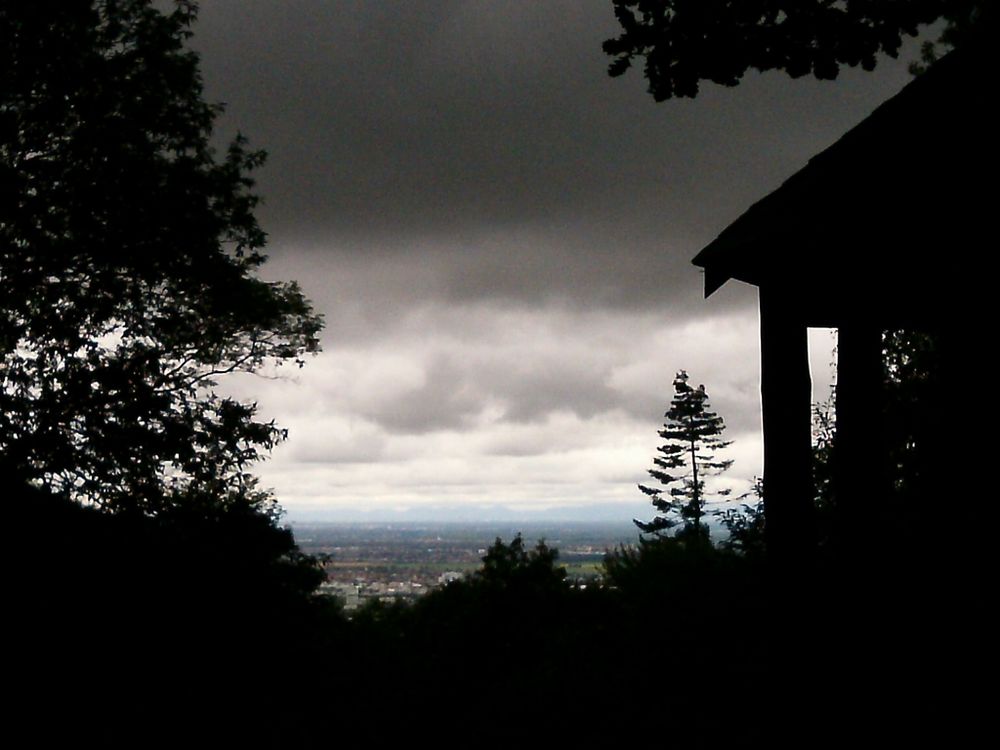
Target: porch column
786,393
862,484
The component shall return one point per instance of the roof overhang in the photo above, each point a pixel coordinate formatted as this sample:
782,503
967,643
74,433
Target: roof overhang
893,208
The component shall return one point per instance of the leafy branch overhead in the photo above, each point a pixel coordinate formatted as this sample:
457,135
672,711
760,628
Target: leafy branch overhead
685,42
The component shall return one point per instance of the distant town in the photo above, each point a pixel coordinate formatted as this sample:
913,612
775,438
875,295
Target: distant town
392,562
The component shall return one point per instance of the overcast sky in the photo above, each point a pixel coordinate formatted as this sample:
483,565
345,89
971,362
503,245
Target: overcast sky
499,237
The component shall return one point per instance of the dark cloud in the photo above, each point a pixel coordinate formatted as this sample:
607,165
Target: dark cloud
438,121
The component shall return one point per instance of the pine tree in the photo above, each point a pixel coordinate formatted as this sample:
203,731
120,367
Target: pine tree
692,433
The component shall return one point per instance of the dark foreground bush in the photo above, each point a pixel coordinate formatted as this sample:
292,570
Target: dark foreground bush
197,625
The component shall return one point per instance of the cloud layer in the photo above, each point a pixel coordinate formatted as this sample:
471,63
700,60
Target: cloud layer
499,237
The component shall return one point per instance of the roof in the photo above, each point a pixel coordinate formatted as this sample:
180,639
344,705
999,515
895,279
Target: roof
895,207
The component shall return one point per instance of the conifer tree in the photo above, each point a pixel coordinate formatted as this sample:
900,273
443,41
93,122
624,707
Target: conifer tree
693,435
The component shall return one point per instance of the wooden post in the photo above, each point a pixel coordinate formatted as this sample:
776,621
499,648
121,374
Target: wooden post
786,394
862,485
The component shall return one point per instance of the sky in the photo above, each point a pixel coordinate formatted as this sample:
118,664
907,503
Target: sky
499,237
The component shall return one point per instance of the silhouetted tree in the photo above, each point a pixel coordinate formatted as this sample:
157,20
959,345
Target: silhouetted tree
912,372
693,435
684,42
128,259
511,565
745,522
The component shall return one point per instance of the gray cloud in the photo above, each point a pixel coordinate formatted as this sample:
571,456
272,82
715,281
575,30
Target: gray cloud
445,400
494,129
576,389
317,444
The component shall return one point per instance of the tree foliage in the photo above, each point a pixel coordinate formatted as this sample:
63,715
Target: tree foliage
911,375
911,379
745,523
685,42
129,253
128,259
693,435
513,566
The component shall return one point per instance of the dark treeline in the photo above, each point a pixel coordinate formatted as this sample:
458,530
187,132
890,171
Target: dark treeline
132,629
182,630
